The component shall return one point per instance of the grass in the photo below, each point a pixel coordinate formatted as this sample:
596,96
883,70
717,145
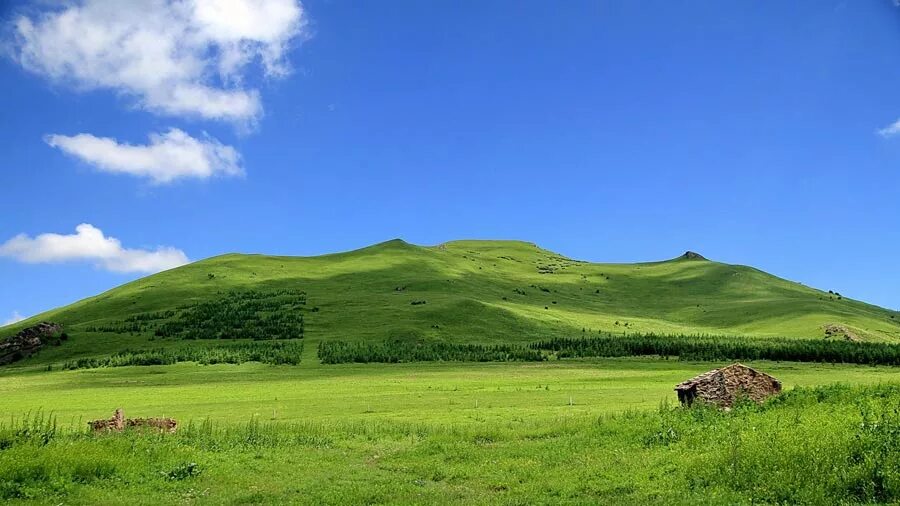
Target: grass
821,445
427,392
484,292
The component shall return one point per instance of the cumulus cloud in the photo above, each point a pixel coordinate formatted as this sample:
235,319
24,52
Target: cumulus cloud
890,130
168,156
15,318
89,244
174,57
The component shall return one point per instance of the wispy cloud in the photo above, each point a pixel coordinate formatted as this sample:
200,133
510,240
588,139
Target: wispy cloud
15,318
88,243
890,130
169,156
173,57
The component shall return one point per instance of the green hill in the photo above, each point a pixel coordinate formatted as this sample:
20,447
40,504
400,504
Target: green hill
463,291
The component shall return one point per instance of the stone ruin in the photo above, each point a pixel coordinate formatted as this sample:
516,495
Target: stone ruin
118,423
27,342
723,386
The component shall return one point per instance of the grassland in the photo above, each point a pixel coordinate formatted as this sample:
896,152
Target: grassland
563,432
426,392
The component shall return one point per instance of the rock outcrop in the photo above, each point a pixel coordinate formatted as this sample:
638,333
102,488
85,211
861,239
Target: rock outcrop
27,341
840,331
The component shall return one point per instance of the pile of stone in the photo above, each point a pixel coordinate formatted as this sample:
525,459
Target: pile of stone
723,386
118,423
27,341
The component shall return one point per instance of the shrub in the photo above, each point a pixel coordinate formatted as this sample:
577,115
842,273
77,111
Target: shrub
183,471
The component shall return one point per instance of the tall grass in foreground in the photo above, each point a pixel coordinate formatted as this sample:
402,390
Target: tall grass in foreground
830,445
271,352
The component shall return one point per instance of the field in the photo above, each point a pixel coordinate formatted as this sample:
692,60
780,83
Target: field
577,431
423,392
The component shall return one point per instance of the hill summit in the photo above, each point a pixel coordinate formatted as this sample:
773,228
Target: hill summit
691,255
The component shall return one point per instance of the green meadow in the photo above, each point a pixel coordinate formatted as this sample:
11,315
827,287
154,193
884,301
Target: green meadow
575,432
430,393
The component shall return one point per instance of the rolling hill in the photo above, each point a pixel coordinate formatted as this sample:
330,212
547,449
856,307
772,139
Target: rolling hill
462,291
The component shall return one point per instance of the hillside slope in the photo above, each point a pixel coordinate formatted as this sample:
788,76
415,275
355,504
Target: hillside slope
464,291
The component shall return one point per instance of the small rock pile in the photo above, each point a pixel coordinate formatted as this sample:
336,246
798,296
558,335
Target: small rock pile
118,423
27,341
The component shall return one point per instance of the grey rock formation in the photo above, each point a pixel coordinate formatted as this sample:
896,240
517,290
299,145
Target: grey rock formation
27,341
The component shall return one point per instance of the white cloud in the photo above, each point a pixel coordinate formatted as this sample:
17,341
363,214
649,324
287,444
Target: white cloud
169,156
890,130
15,318
89,244
174,57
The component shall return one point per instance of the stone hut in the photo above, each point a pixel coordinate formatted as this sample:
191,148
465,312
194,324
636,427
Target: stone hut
722,386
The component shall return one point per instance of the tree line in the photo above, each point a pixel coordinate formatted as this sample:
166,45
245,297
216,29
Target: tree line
278,353
394,351
683,347
717,348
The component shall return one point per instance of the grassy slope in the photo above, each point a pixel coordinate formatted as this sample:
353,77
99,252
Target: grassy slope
469,288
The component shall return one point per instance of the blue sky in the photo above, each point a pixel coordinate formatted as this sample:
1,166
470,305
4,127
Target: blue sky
753,132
